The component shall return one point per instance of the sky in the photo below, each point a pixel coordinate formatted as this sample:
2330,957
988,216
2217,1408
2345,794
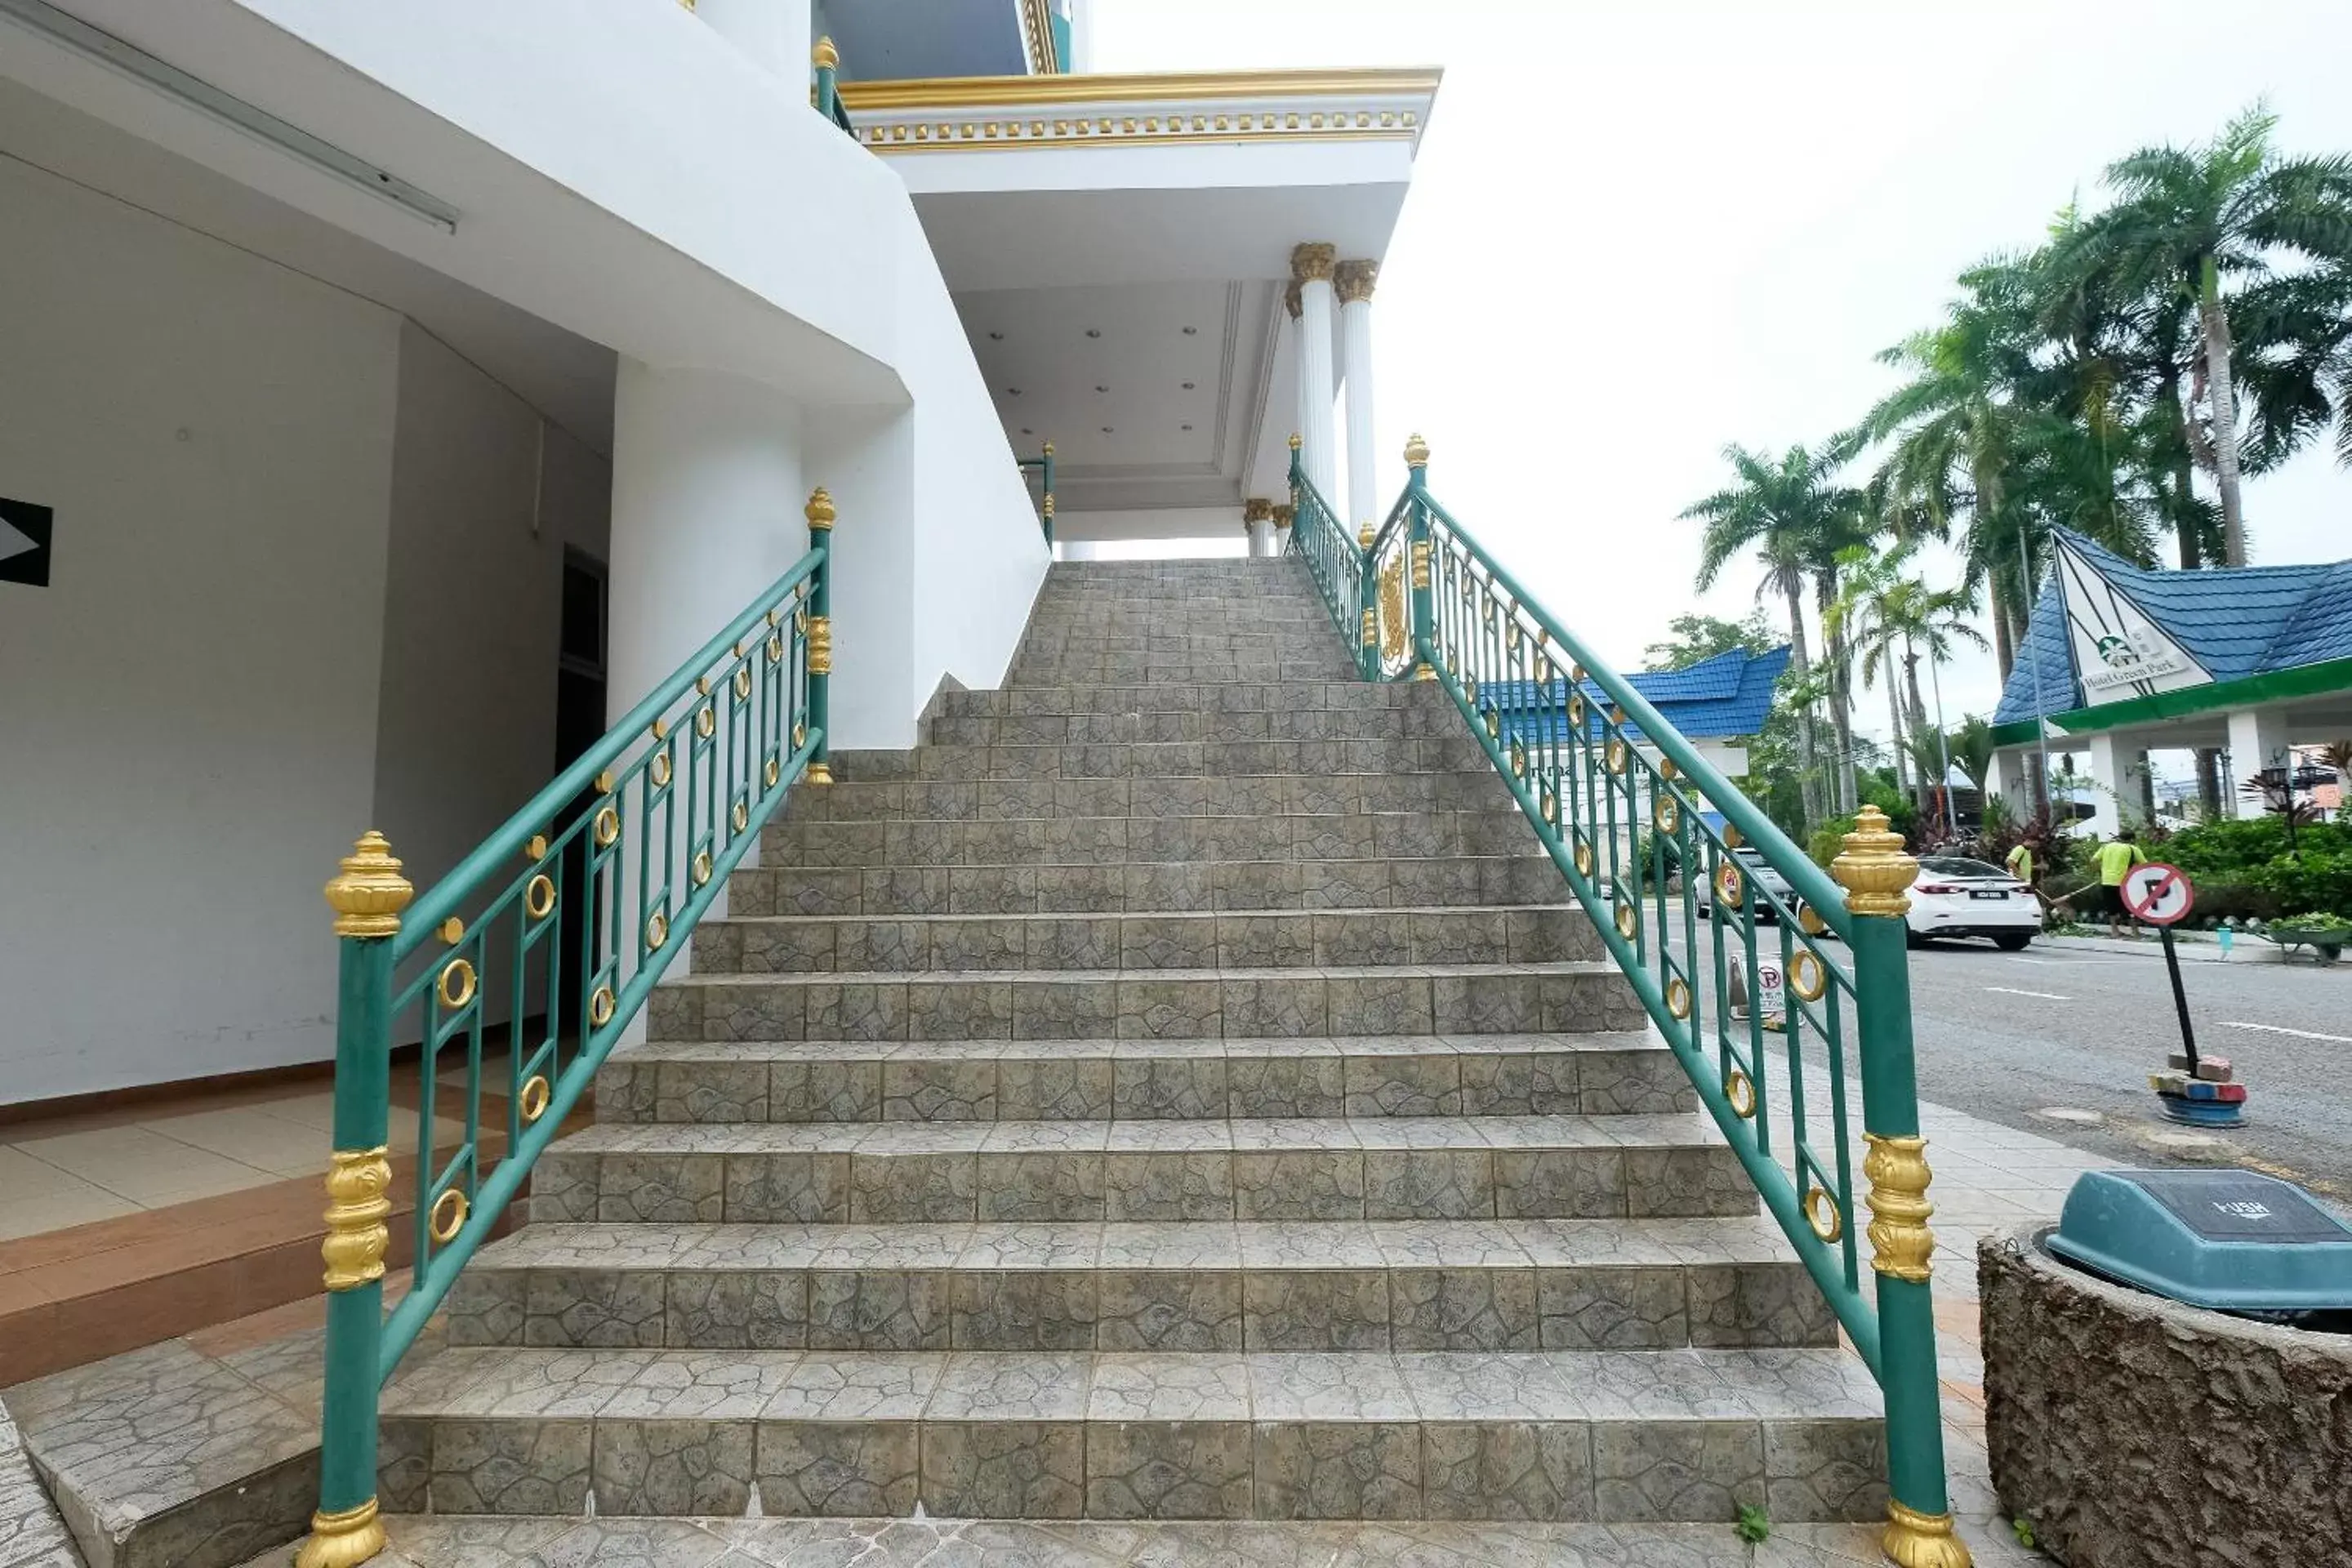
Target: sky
1640,230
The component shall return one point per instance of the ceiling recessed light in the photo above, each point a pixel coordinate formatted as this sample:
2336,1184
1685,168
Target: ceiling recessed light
1105,430
1094,331
1012,392
1191,332
1026,431
996,337
1102,389
1187,386
1187,426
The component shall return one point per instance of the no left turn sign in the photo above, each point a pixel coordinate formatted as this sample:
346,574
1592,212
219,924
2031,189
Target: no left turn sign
2158,893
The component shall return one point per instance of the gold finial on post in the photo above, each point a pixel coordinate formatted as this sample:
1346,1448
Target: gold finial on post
819,510
825,56
1364,535
1295,441
368,894
1049,448
1416,452
1873,870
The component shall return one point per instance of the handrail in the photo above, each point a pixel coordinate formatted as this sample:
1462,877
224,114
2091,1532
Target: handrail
622,856
1617,797
824,90
1334,560
1044,467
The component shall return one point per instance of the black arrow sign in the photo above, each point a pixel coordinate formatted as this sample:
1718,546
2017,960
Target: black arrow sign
25,533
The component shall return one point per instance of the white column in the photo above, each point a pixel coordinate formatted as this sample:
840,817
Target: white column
1257,522
2109,758
775,33
1353,282
1311,267
2016,788
2258,740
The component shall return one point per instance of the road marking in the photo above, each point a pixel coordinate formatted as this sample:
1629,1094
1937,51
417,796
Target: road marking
2283,1029
2037,995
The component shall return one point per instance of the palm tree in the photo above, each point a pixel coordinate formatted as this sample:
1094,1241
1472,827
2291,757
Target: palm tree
1901,619
1863,612
1791,511
2188,221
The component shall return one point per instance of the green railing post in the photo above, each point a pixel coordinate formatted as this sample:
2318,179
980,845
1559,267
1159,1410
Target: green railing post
1876,876
1424,617
820,633
1367,585
367,896
828,62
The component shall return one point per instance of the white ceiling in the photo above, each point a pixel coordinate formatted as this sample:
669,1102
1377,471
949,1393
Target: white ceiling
565,376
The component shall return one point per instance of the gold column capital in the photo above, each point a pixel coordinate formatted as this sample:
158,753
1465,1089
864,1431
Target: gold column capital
357,1206
368,892
1902,1247
345,1539
1292,302
1282,513
1416,451
1873,870
825,57
820,645
1313,262
1257,508
819,510
1915,1539
1354,280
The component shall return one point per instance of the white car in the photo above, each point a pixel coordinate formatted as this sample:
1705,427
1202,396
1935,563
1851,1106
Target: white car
1954,896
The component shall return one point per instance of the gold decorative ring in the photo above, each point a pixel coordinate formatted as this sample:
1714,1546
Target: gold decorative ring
1576,673
775,650
601,1005
1730,886
448,1216
705,721
1666,769
608,828
1620,756
533,1100
656,930
1810,921
772,773
539,897
742,680
1575,710
1493,723
1551,808
1667,814
1543,671
799,734
537,848
1627,921
1518,761
458,983
1678,999
1584,859
1808,975
1821,1213
740,817
1733,838
1740,1090
702,867
660,770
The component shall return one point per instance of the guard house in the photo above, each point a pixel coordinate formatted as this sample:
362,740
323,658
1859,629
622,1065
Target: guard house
2121,660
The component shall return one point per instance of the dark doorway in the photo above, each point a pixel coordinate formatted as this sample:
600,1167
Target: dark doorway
579,724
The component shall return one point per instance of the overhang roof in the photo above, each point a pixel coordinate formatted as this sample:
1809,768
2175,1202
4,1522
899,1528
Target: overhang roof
1726,698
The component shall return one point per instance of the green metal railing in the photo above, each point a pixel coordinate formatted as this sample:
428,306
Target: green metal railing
1334,559
564,920
1739,992
824,90
1044,464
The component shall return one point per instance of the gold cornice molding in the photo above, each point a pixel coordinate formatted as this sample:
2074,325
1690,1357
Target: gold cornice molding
1313,262
1140,87
1354,280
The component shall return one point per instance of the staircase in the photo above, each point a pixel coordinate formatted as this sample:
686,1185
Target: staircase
1176,1089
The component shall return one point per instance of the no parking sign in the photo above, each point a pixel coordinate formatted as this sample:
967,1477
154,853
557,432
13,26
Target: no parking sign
2158,893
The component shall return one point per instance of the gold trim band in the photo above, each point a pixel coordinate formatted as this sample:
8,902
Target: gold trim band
344,1538
357,1206
1137,87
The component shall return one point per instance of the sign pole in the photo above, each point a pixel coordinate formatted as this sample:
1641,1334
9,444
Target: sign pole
2180,1000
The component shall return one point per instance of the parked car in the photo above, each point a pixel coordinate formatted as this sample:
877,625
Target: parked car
1955,896
1767,879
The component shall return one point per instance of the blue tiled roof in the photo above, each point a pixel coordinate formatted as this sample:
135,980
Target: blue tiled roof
1719,699
2235,621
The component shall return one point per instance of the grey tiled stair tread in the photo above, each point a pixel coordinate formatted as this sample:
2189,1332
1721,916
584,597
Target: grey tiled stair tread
1576,967
1188,1246
1450,911
1674,1129
1342,1386
1594,1040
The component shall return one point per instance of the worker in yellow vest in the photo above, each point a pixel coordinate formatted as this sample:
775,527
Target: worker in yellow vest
2115,859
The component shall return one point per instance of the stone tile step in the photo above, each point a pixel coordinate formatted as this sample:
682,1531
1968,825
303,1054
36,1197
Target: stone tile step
800,944
1328,663
1163,726
1192,759
1167,1003
1259,696
1122,840
1450,1285
1432,881
907,1172
1601,1435
1104,1079
1478,789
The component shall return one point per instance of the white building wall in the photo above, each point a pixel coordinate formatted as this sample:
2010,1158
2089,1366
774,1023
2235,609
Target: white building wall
190,705
485,495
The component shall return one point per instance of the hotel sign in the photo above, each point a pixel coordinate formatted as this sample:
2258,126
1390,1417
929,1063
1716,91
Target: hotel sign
2119,652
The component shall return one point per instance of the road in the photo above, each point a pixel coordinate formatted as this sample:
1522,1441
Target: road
2060,1041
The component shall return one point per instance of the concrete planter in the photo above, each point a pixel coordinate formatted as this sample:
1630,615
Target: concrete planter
2136,1432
